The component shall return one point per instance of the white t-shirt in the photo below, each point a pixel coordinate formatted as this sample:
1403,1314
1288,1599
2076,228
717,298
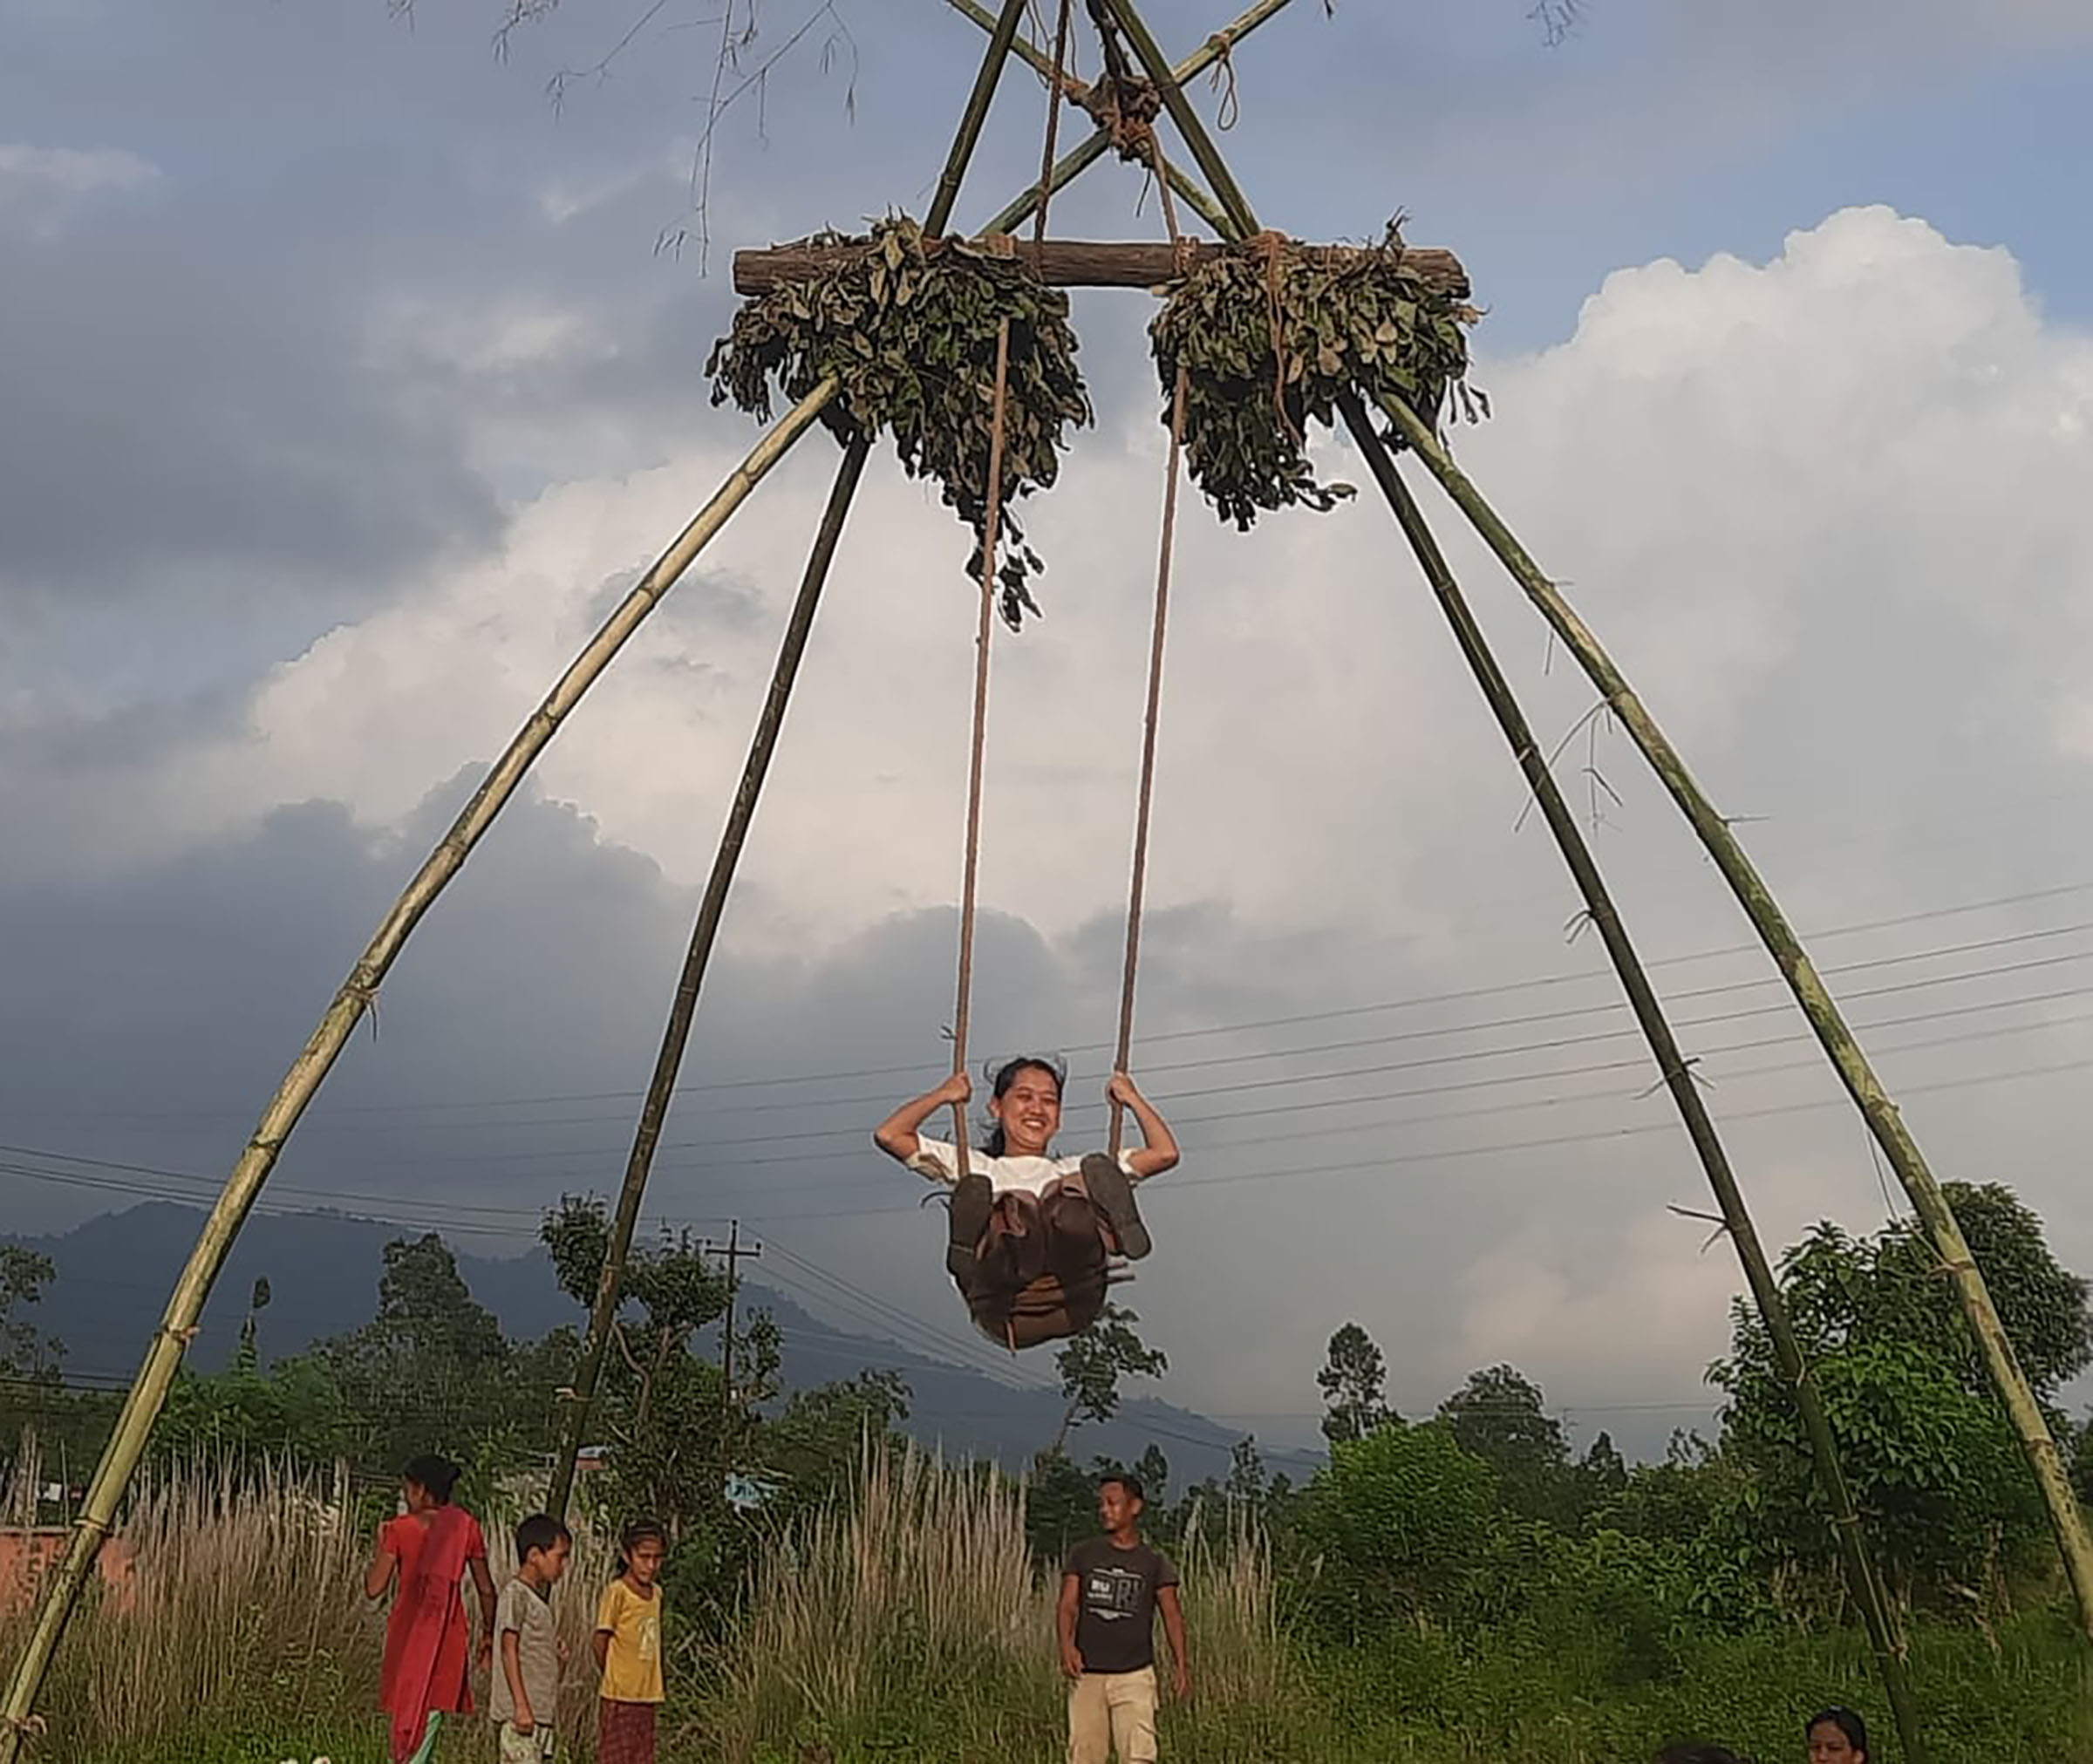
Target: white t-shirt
936,1160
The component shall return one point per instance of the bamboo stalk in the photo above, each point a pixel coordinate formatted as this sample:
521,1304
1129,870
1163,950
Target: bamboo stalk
1676,1075
148,1392
683,1008
1220,43
1170,89
1850,1059
976,113
1862,1579
178,1327
1189,189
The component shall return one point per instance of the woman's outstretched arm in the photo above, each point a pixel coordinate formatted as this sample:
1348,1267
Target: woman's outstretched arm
1158,1150
898,1135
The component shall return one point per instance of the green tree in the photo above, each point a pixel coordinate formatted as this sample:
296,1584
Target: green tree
1676,1500
1154,1471
1932,1462
1844,1290
1601,1478
1248,1483
1060,1504
677,1434
26,1353
807,1455
1353,1382
1093,1363
431,1371
1501,1416
1398,1521
250,1416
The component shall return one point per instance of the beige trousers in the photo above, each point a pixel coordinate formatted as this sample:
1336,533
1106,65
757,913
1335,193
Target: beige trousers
1113,1713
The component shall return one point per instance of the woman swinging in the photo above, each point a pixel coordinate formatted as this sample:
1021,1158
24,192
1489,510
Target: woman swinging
1032,1235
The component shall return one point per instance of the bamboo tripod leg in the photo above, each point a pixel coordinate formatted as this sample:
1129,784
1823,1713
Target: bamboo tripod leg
149,1391
1847,1057
1189,191
683,1009
1863,1581
726,858
1095,148
1855,1069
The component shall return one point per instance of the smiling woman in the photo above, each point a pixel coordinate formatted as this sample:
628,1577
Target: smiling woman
1032,1235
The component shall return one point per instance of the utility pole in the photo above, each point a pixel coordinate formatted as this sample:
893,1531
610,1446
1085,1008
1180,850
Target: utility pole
732,1252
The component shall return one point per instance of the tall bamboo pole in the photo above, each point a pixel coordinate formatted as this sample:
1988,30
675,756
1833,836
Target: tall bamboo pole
1189,189
1148,52
1861,1579
682,1010
974,116
1851,1062
179,1324
1094,148
661,1089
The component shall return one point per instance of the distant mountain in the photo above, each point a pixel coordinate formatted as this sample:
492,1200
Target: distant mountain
115,1271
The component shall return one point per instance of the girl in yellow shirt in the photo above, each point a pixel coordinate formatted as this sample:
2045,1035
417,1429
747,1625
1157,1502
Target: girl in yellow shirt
628,1648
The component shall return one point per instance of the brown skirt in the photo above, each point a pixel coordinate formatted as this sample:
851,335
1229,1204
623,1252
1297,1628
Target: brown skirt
1052,1287
624,1732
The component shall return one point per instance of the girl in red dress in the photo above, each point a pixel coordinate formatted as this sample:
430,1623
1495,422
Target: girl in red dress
427,1551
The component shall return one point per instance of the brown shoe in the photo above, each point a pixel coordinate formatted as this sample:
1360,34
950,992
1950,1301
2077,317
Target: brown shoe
973,1201
1108,1185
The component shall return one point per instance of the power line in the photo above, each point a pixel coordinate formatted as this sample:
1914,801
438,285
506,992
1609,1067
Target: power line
1555,1044
1420,1001
1429,1032
462,1218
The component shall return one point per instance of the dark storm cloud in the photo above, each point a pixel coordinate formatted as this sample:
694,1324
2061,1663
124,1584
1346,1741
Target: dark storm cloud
154,1010
148,1019
166,412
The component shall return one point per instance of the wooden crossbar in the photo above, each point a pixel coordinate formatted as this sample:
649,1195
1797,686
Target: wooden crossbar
1079,264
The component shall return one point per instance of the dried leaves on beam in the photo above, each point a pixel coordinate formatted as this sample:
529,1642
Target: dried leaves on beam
911,335
1270,334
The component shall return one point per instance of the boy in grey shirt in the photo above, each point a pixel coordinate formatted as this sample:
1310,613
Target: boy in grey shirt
524,1702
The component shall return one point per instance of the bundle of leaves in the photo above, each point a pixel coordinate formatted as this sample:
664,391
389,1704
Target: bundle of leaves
1271,334
909,332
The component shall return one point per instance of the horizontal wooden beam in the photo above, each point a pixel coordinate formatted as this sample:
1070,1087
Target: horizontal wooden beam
1078,263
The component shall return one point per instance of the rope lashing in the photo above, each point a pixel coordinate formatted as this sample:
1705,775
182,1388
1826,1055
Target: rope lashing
1223,80
1271,247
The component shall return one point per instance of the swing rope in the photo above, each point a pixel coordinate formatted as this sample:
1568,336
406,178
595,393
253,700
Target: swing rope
963,1010
1137,888
985,629
1055,89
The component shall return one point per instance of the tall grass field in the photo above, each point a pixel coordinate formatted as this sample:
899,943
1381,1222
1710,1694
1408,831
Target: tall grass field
911,1623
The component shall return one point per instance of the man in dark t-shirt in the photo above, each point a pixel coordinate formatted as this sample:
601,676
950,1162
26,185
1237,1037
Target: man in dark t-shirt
1111,1589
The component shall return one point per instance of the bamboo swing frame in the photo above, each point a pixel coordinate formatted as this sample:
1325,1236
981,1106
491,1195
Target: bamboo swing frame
1220,202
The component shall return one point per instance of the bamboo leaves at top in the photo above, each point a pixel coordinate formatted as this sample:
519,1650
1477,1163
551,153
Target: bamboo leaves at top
908,329
1272,335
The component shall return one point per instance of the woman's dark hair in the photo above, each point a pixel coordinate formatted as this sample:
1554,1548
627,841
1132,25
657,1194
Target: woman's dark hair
1007,1074
638,1532
1845,1721
438,1475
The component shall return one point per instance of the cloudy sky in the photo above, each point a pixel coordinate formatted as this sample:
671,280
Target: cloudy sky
345,380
